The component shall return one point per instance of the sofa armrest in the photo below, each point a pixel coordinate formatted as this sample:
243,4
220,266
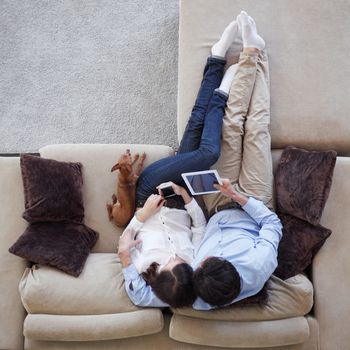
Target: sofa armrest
331,266
11,267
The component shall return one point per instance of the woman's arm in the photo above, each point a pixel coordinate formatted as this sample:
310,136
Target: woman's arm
137,289
127,242
152,206
199,222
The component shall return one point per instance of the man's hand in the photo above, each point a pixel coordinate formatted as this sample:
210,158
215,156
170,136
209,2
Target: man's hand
228,190
126,242
152,206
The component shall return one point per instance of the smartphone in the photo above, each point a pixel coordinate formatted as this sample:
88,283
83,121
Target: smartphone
167,191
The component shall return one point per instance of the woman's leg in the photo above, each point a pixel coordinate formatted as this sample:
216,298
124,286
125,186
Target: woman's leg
212,77
200,146
171,168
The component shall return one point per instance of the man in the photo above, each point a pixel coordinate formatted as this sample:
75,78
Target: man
239,250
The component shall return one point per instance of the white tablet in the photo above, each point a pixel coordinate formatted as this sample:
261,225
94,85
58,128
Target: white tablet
201,182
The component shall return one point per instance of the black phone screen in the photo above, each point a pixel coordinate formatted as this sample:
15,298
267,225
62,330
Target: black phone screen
168,192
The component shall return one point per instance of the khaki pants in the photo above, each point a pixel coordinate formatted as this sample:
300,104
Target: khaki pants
246,143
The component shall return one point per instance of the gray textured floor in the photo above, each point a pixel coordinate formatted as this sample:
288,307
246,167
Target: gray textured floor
87,71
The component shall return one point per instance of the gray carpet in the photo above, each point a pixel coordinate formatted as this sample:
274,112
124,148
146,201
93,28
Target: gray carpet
87,71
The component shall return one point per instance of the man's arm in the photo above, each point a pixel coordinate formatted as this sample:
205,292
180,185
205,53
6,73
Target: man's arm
264,253
264,259
200,304
270,224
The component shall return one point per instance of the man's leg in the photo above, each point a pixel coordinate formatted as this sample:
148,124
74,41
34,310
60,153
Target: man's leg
230,162
256,176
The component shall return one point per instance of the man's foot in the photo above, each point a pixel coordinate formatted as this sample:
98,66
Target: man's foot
227,79
251,39
230,35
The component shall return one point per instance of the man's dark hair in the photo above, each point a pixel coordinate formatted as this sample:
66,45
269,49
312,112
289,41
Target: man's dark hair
174,287
217,281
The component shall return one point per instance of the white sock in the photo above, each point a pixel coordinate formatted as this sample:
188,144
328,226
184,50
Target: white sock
230,34
249,33
228,77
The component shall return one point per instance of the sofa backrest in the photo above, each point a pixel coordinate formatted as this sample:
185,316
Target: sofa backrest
307,44
99,182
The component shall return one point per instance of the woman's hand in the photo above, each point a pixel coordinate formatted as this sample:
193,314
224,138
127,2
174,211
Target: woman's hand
152,206
179,190
228,190
126,242
176,188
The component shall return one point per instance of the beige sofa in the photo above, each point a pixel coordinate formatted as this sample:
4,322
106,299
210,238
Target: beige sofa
309,77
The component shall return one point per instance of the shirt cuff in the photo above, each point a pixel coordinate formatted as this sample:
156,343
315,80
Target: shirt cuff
130,272
191,206
251,206
135,223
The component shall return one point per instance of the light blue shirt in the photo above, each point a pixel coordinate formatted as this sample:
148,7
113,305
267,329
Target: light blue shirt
247,238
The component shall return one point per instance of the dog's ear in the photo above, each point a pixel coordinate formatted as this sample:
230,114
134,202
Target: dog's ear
115,167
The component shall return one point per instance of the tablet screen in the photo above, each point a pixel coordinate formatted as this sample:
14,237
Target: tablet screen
201,182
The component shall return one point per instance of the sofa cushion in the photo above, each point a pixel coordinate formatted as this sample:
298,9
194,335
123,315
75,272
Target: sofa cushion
98,290
52,190
299,244
257,335
63,245
302,181
93,327
290,298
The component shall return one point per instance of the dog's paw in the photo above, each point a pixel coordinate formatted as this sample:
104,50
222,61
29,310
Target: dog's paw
109,208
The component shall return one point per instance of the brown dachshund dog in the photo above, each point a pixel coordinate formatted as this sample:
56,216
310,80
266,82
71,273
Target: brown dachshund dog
123,204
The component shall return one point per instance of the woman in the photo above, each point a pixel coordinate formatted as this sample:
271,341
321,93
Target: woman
167,236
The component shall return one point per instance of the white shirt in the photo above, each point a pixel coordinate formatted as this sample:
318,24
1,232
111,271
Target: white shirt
166,234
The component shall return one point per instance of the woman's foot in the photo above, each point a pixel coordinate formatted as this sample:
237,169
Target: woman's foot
227,79
230,34
251,39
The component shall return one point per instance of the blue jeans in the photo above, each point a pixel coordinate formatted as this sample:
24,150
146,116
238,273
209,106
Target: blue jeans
200,145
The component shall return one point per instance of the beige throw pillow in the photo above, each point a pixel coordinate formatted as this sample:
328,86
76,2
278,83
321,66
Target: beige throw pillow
98,290
290,298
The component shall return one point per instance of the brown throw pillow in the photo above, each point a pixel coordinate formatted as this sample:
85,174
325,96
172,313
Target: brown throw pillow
303,180
63,245
52,190
299,244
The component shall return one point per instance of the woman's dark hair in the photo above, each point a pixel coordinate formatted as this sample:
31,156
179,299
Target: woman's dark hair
217,281
174,287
